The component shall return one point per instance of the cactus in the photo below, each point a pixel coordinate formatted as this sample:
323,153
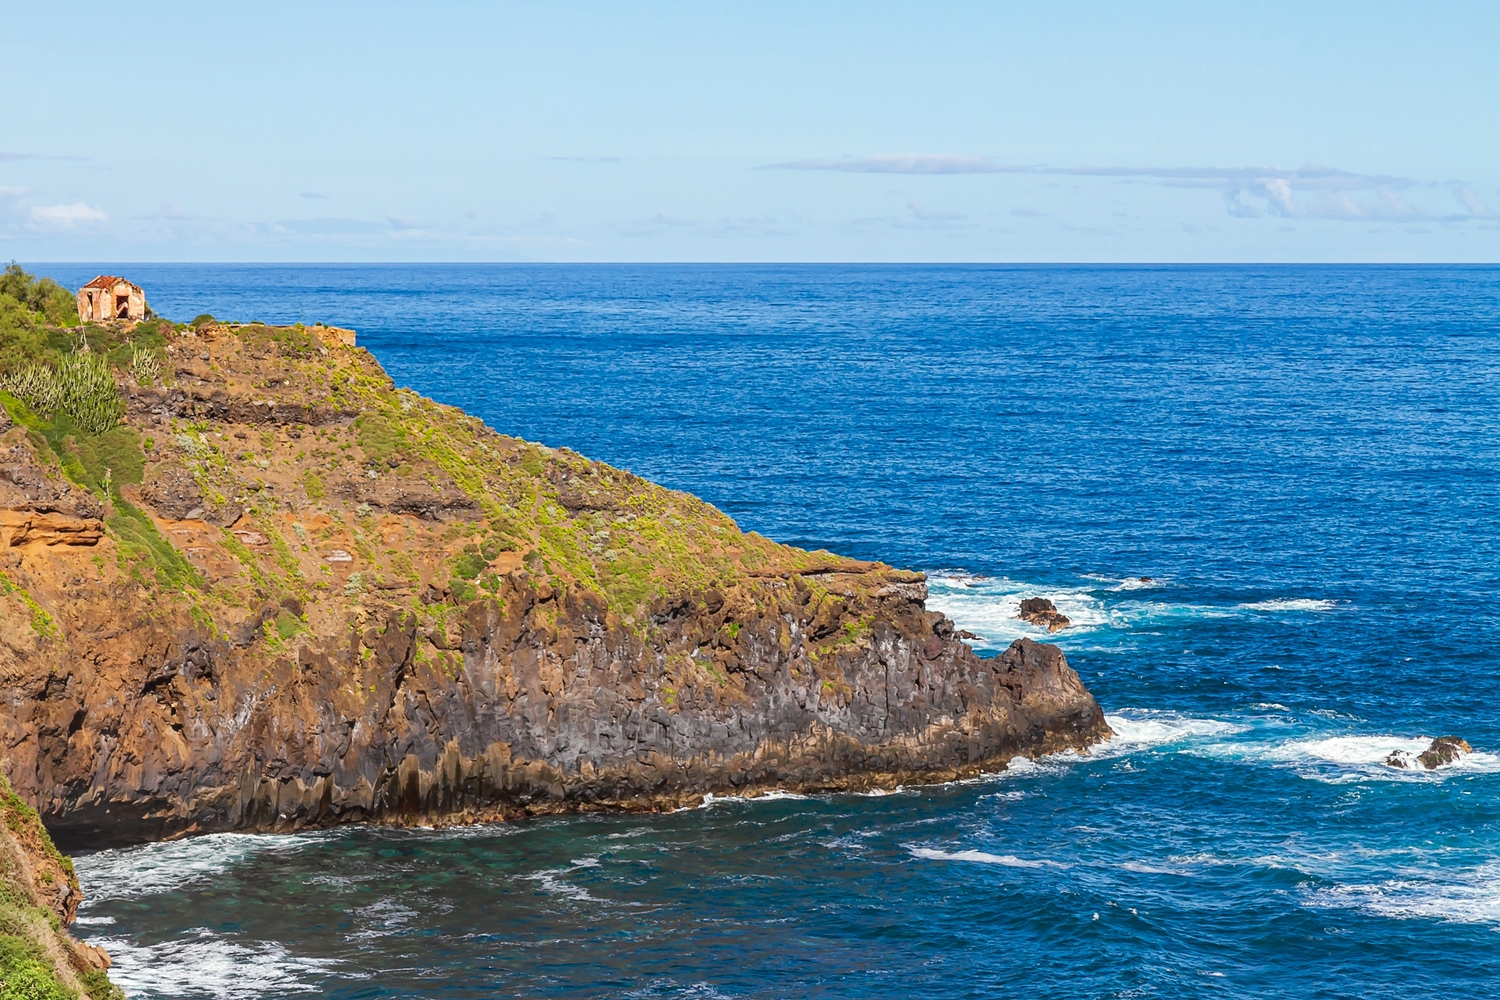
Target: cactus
80,387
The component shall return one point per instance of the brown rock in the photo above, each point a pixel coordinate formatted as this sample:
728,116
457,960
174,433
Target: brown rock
172,493
1444,750
28,527
1040,611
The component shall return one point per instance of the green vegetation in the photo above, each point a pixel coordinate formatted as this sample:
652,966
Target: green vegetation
103,462
287,341
29,310
41,622
570,522
60,385
78,387
30,934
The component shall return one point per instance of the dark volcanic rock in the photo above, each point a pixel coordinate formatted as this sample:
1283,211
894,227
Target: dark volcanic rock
1444,750
553,706
173,493
1040,611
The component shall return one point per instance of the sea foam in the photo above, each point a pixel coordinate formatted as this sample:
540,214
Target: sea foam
1290,604
128,873
1144,728
981,857
201,963
1468,895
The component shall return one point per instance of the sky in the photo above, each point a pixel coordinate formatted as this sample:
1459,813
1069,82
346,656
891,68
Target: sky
554,131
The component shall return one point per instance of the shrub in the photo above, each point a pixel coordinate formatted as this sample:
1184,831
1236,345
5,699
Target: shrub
25,973
39,296
80,387
145,368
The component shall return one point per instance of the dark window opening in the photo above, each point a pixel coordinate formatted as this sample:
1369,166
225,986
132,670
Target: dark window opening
122,307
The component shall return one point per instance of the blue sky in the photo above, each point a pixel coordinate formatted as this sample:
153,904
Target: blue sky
765,132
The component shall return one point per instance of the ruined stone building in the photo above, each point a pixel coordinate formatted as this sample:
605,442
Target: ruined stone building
109,298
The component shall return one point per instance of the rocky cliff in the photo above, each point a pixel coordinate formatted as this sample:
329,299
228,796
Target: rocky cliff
274,590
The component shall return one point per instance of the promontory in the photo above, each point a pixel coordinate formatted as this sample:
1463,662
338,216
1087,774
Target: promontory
249,583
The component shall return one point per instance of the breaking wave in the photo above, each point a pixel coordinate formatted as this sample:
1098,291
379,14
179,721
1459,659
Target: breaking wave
1144,728
1290,604
981,857
128,873
989,607
201,963
1466,895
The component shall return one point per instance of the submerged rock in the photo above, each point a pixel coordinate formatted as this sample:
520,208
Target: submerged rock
1444,750
1040,611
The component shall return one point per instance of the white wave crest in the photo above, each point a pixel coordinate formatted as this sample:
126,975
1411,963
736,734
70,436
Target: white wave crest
130,872
1290,604
981,857
382,918
200,963
990,606
1467,895
775,795
1365,756
551,881
1143,728
1136,582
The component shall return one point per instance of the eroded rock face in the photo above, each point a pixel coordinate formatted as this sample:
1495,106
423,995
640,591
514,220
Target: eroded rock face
547,704
36,508
1040,611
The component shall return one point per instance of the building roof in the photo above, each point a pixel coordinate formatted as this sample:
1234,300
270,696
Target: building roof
107,281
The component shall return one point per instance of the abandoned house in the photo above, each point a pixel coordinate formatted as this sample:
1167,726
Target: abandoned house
109,298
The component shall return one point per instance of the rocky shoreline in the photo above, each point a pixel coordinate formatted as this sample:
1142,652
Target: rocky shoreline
283,593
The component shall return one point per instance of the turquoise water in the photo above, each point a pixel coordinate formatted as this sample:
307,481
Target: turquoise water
1304,460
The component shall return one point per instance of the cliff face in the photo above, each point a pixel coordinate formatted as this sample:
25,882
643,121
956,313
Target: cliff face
282,592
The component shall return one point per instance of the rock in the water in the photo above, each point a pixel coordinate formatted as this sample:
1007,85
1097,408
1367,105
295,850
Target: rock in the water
1444,750
1040,611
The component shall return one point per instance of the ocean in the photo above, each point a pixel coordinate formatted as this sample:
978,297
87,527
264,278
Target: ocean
1305,463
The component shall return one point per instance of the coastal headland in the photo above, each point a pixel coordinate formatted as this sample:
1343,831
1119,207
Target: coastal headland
268,589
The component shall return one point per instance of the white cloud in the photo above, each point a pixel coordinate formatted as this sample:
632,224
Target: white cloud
1470,201
1308,192
900,163
74,216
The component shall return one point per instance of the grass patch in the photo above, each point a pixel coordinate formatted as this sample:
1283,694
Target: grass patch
42,623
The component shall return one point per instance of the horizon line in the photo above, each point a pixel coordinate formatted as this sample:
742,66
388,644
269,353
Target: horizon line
752,263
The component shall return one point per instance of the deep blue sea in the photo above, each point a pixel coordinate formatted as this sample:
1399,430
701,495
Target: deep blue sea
1306,462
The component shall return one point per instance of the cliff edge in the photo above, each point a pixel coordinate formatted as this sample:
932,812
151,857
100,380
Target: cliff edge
246,582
